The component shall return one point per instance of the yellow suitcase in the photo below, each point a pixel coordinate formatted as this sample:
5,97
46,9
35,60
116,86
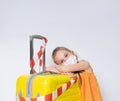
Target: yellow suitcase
46,85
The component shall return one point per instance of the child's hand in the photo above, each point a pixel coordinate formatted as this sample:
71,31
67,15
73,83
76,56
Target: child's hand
62,68
52,68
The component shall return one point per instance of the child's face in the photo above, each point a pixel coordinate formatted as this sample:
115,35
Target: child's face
62,56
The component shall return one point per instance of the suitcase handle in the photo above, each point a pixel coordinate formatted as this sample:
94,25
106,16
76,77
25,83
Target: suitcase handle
32,37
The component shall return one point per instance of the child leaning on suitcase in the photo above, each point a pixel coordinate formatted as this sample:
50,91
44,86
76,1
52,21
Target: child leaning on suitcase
67,62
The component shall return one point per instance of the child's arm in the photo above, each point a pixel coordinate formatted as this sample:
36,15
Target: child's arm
82,65
52,69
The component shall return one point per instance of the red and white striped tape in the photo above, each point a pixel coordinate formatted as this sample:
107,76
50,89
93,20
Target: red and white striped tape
39,55
52,96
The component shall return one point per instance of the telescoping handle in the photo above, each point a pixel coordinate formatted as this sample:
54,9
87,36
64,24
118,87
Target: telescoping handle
41,53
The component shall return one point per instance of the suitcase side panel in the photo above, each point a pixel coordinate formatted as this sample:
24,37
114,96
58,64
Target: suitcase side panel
21,85
43,85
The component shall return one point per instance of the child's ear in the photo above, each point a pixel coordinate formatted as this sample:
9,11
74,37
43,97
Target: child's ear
75,55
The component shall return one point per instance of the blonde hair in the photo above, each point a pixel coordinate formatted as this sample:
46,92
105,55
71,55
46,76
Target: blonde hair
57,49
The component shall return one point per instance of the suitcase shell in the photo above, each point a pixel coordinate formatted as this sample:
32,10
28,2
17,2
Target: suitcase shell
50,87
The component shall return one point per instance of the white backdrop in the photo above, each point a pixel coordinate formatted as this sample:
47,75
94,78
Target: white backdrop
90,27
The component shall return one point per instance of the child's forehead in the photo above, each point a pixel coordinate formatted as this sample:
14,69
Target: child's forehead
62,51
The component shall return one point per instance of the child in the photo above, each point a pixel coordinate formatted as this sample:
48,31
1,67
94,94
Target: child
67,62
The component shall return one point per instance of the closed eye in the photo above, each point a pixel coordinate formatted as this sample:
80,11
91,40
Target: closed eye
66,55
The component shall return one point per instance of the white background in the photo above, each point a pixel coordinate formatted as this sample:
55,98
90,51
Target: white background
90,27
